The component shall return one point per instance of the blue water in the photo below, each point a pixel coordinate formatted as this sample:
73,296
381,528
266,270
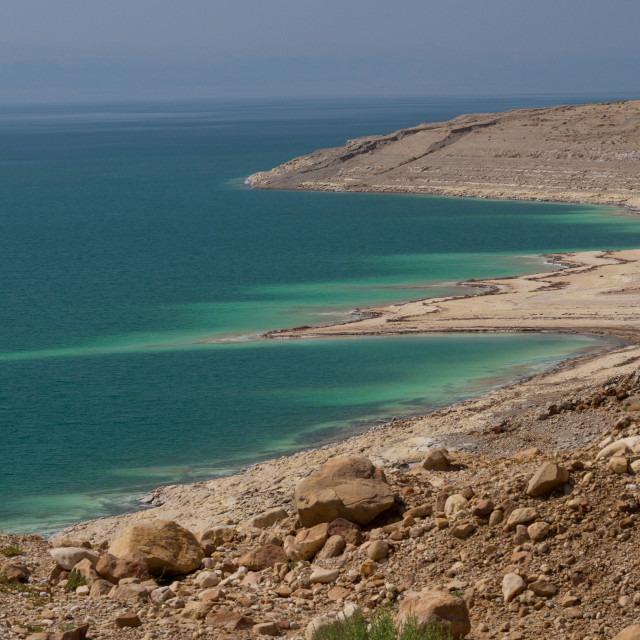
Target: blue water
137,271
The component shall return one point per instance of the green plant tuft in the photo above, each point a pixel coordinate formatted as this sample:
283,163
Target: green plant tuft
11,552
74,580
382,627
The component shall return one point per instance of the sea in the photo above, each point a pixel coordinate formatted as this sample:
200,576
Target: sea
138,272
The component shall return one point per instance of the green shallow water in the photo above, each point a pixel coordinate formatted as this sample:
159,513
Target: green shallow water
136,272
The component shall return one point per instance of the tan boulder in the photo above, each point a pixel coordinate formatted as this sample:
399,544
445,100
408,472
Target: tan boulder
455,503
229,621
521,516
546,479
512,585
538,531
68,557
266,519
134,593
211,539
624,446
262,557
308,542
132,565
618,464
437,608
168,548
437,460
346,487
629,633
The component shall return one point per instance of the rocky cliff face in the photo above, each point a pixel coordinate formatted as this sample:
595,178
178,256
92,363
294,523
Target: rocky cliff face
585,153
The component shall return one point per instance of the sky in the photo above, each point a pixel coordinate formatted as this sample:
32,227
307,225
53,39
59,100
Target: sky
58,50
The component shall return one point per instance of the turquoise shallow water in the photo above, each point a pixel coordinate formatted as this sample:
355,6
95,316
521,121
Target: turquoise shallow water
127,238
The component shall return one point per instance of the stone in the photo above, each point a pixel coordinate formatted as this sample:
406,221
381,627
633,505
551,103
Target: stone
309,541
168,548
213,595
618,464
463,530
323,576
569,601
262,558
368,568
438,608
333,547
162,594
482,508
629,633
134,593
455,503
69,542
521,516
421,511
131,565
68,557
630,445
437,460
337,593
196,610
100,588
211,539
207,579
512,585
230,621
79,633
267,518
342,527
346,487
128,620
266,629
496,517
14,571
547,479
538,531
378,549
544,588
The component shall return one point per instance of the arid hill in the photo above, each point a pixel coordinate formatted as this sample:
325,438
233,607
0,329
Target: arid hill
585,153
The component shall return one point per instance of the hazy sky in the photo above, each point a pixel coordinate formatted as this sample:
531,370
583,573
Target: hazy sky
95,49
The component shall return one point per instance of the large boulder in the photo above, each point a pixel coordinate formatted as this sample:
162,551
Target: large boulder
168,548
347,487
437,608
546,479
114,569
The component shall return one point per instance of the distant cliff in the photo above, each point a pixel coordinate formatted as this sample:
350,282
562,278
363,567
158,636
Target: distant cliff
584,153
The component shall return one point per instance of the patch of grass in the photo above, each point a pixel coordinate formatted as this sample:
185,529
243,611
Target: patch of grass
6,586
67,626
11,552
74,580
382,627
292,565
33,628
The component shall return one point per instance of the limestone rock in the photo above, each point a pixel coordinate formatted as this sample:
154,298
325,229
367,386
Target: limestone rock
309,541
538,531
262,557
521,516
267,518
543,588
618,464
378,549
132,565
323,576
546,479
128,620
512,585
211,539
437,460
79,633
207,579
229,620
439,608
455,503
134,593
168,548
100,588
346,487
321,622
620,447
333,547
68,557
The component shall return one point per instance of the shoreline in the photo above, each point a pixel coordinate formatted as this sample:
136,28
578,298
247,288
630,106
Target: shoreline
251,490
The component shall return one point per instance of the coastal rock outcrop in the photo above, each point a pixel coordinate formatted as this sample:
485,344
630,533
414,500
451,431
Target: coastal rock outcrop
168,548
347,487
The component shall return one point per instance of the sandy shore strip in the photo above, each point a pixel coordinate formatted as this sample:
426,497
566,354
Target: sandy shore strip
594,293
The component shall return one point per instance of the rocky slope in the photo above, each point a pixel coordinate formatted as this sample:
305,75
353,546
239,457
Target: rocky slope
585,153
491,542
